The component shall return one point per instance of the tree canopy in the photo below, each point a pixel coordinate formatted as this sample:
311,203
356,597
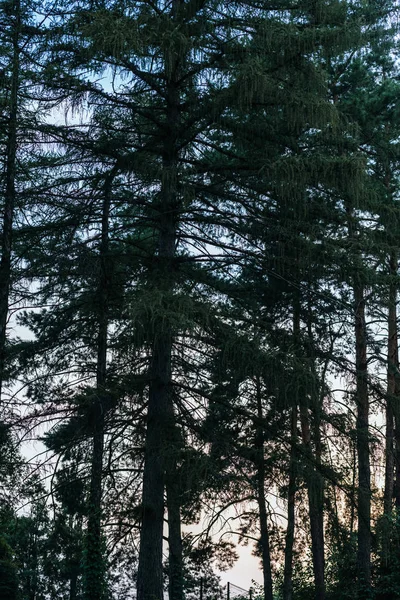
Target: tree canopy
199,273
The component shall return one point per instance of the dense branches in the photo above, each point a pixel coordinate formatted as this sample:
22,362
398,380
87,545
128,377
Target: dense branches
199,256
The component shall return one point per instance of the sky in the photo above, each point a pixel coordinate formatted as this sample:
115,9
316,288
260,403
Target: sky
245,571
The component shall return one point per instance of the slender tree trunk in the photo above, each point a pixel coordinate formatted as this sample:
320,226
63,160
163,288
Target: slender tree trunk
73,586
396,413
173,487
10,191
316,410
289,542
319,492
363,453
94,561
150,569
174,541
389,451
264,533
391,390
315,502
353,494
364,475
391,386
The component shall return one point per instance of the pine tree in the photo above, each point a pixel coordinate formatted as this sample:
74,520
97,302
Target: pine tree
194,242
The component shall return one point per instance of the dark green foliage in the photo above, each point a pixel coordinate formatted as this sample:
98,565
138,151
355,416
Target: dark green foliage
8,573
206,195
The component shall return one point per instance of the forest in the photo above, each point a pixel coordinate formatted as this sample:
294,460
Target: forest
199,283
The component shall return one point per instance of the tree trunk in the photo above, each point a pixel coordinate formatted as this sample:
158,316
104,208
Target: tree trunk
264,533
317,397
94,562
10,192
364,475
392,361
175,541
150,569
393,407
173,488
396,414
289,541
353,493
315,502
73,586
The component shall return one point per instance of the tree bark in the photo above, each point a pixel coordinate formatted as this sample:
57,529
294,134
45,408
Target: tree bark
175,542
264,533
73,586
315,503
317,394
393,407
150,569
10,190
364,475
392,364
289,541
94,561
396,414
173,487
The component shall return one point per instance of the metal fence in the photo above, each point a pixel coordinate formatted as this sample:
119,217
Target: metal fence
229,592
235,592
